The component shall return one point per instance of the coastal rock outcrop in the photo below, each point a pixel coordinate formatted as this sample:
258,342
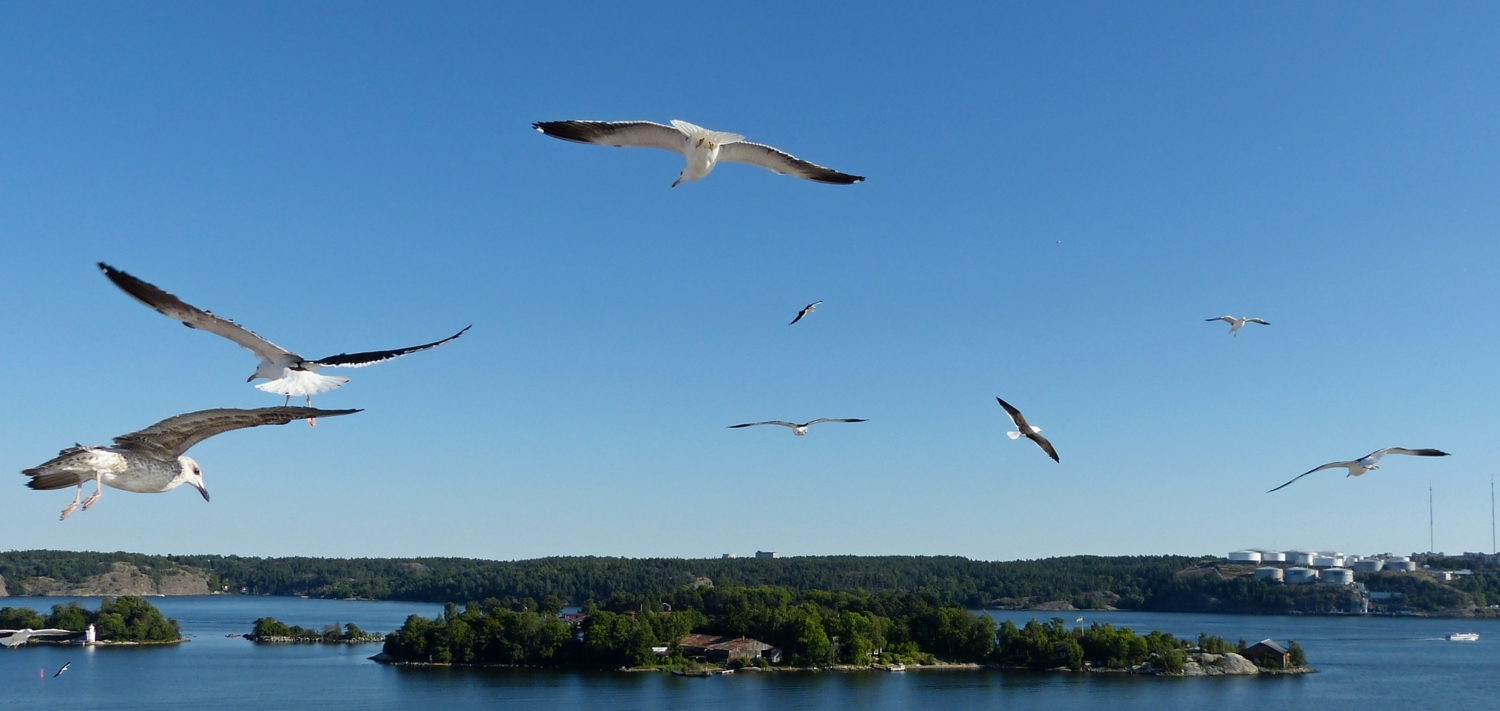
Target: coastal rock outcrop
1231,664
122,579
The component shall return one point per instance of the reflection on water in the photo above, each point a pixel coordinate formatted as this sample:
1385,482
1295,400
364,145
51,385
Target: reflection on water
1368,663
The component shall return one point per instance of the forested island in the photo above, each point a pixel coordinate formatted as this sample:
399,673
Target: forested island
778,628
269,630
1147,583
126,619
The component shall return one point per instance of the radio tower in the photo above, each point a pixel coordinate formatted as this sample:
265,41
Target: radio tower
1492,514
1430,547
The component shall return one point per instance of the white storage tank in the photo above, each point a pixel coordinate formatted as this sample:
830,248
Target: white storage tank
1300,557
1301,575
1268,574
1338,576
1244,557
1327,561
1400,566
1273,557
1368,565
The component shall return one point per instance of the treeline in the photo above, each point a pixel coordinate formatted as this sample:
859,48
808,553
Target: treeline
811,628
124,619
270,627
1086,581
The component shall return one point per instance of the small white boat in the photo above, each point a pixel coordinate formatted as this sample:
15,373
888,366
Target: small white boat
898,667
1463,637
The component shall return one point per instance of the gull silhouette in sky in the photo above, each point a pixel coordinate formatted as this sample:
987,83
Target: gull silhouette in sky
151,461
1235,324
1369,462
797,429
702,148
805,311
1031,432
289,374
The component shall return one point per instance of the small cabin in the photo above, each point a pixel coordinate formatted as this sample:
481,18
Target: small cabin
1268,653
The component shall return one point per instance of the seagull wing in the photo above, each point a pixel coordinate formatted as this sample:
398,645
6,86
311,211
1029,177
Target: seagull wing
832,419
360,360
784,163
1377,454
1015,416
53,632
805,311
1045,445
62,669
621,134
800,314
772,422
175,435
1260,321
1225,319
1331,465
192,316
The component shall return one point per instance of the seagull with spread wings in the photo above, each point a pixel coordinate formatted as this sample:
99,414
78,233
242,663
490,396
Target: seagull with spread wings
1369,462
702,148
1028,431
805,311
1235,324
289,374
797,429
16,638
62,669
151,461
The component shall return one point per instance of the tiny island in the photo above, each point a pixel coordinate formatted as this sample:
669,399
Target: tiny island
269,630
698,629
126,619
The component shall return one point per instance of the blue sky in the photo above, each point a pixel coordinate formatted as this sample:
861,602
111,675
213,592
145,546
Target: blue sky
1058,195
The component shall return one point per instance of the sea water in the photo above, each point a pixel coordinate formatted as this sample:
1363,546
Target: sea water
1365,663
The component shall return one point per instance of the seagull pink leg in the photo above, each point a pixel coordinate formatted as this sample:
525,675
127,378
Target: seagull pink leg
98,489
73,506
311,421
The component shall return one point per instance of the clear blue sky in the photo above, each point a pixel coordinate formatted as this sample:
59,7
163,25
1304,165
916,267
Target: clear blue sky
1058,196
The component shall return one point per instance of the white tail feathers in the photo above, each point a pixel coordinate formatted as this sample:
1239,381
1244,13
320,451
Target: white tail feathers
1036,430
302,383
1013,435
719,137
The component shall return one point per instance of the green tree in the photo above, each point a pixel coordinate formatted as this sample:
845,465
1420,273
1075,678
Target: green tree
1297,657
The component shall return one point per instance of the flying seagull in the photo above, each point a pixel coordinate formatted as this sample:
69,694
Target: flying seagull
16,638
62,669
1028,431
797,429
805,311
289,374
151,461
1235,324
1369,462
702,148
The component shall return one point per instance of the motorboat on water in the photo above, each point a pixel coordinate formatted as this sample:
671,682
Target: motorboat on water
1463,637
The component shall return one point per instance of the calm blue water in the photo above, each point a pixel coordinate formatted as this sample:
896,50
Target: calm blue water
1366,663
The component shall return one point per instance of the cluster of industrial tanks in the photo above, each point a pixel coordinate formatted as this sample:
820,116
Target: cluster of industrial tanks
1318,566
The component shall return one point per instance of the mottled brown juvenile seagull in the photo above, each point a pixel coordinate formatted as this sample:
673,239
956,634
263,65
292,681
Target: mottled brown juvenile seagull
152,460
1028,431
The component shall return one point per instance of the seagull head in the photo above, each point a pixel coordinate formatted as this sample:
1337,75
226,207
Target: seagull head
193,474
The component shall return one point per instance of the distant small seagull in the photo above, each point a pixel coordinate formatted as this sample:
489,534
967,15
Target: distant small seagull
1369,462
797,429
702,148
1028,431
1078,620
16,638
290,374
805,311
151,461
62,669
1235,324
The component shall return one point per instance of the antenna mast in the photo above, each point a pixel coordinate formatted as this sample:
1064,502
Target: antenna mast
1492,514
1430,547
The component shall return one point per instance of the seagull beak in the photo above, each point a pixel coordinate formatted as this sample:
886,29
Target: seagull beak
677,182
202,490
